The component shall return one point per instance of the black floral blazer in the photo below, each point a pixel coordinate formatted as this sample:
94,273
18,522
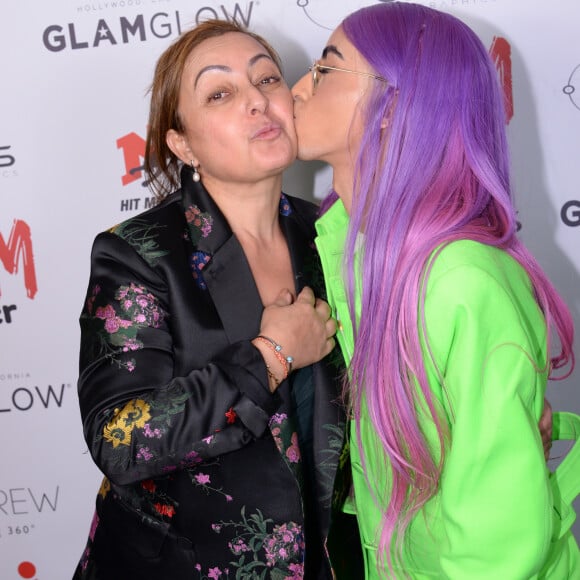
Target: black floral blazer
207,474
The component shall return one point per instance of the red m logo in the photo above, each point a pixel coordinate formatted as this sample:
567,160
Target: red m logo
19,248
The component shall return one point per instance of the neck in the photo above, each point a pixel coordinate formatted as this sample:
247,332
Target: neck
251,209
342,183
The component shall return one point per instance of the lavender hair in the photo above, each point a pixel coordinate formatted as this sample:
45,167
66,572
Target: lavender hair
439,172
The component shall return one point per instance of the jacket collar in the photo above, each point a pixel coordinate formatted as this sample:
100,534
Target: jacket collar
219,264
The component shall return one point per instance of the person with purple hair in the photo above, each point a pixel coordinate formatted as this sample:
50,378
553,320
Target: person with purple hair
449,326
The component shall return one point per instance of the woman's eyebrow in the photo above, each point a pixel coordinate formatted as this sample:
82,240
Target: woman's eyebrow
224,68
331,48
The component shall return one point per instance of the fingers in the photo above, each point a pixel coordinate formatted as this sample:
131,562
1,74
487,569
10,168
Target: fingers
323,309
306,295
330,327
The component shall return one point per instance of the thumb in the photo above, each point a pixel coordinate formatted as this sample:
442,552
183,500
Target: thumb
284,298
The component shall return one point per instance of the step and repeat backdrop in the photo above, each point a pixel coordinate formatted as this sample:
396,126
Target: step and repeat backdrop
73,112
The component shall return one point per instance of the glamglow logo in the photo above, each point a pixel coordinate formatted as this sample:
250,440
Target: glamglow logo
18,251
136,28
27,398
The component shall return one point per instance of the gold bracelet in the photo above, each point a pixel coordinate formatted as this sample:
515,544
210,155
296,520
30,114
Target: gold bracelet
272,376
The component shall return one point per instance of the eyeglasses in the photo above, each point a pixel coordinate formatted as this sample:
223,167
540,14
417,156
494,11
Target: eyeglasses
316,69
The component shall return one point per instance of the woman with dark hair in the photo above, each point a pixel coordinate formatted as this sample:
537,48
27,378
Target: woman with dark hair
207,391
446,321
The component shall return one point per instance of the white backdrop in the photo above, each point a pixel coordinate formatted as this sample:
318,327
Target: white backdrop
73,112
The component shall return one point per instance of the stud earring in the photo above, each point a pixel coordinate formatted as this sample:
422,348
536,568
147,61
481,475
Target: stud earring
196,176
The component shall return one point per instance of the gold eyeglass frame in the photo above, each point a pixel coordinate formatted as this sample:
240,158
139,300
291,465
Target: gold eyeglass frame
316,67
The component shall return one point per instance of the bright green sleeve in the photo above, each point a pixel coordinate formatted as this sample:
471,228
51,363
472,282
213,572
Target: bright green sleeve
487,336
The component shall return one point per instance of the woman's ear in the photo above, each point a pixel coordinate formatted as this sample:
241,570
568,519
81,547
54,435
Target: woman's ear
179,146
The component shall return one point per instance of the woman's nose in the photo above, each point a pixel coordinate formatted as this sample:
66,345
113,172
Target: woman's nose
257,101
301,88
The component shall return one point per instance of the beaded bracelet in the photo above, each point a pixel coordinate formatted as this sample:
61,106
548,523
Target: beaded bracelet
285,361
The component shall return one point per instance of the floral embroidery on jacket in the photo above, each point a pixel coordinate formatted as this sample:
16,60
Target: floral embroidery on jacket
135,309
134,414
197,263
203,481
141,236
285,437
264,551
200,223
285,208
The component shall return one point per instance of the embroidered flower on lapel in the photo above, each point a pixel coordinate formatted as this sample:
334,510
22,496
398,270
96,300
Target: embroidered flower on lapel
200,223
285,208
197,263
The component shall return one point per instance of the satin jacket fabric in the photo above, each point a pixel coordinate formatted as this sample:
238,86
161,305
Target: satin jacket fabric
207,474
499,512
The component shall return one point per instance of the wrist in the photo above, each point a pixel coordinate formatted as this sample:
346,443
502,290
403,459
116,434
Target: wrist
275,371
283,359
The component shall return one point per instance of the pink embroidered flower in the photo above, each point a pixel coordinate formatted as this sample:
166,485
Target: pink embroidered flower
148,432
106,312
144,453
192,458
202,478
238,546
297,572
293,452
214,573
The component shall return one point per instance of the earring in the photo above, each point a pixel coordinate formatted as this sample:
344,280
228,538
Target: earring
196,176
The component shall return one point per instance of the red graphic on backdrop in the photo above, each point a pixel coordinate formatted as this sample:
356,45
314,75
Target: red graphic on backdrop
501,54
133,148
26,570
19,248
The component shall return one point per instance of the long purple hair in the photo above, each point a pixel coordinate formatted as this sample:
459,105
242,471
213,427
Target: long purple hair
433,167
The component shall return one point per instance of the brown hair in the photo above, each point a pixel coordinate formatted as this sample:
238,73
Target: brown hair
161,164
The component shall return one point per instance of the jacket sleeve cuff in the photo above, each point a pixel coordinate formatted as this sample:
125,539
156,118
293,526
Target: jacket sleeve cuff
245,366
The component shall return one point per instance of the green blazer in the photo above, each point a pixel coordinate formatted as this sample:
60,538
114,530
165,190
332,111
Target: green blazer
499,512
